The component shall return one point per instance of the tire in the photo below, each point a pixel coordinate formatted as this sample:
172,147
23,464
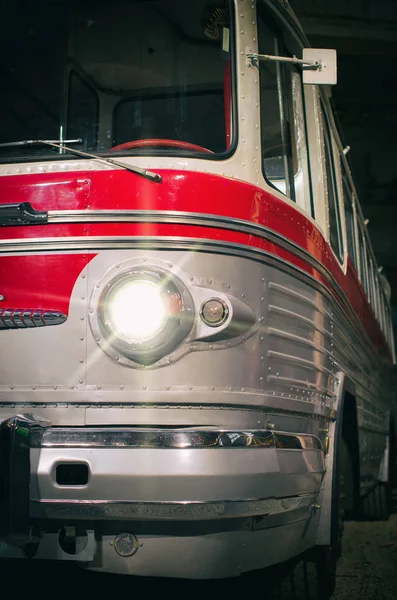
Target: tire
313,578
376,506
378,503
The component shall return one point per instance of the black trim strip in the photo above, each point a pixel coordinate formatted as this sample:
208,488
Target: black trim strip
21,214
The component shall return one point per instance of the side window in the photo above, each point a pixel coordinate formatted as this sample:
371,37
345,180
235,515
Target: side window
350,220
383,313
372,284
377,293
285,161
363,260
335,227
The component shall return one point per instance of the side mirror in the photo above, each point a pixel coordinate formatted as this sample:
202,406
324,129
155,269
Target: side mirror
319,66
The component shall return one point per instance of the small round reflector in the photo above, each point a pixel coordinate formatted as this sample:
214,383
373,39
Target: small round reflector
214,312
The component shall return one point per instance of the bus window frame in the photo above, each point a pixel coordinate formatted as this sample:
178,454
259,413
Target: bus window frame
327,128
302,150
290,127
351,202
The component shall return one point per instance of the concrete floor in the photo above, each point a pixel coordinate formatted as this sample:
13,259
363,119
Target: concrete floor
368,566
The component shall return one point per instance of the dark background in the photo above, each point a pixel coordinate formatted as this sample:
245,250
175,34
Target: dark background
364,33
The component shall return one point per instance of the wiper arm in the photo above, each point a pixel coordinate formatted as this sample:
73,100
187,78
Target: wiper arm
110,161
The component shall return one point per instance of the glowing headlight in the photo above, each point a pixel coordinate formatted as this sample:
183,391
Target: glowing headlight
143,314
136,311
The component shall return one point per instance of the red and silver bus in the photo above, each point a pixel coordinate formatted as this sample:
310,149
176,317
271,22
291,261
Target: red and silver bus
196,339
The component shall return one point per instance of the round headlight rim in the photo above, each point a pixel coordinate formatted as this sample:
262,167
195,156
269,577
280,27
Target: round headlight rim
175,331
111,288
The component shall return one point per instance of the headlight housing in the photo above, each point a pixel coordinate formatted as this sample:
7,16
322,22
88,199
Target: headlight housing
143,314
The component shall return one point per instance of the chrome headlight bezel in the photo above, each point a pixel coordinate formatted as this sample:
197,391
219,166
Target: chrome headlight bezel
176,325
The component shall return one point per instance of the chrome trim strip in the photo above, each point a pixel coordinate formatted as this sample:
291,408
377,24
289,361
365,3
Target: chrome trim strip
24,400
126,437
297,317
188,218
176,511
20,318
302,362
75,244
273,331
294,294
292,382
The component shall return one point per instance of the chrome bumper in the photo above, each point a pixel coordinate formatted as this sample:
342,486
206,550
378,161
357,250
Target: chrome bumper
151,474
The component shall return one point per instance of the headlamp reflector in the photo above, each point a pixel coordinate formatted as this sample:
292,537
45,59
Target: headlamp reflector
136,310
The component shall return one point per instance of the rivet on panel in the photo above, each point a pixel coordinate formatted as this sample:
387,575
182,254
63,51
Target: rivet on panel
83,276
144,387
116,358
98,387
81,360
81,339
80,380
11,387
190,387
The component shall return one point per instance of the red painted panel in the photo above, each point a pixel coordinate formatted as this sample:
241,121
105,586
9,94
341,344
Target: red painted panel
179,191
47,191
40,281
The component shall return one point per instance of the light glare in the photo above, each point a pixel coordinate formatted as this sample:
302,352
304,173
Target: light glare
137,310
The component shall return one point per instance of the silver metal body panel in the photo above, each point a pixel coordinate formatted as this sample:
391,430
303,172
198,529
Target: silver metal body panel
287,375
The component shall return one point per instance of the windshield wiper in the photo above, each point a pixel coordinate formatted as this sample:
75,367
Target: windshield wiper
110,161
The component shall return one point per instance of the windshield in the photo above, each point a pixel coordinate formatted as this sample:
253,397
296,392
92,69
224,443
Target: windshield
115,73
